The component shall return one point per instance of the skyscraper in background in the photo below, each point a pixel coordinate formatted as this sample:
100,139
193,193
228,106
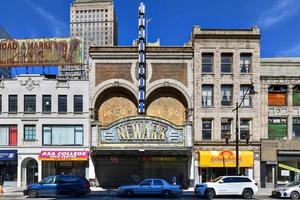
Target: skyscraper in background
95,22
5,72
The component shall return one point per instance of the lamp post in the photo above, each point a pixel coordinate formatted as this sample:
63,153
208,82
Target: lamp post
250,91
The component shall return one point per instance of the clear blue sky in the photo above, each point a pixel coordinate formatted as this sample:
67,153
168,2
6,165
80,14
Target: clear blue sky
172,20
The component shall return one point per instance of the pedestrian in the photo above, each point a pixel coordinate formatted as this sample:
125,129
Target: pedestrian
1,179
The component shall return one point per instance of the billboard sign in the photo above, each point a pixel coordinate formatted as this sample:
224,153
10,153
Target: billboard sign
40,52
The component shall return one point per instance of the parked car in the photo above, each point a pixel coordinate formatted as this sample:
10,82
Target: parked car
59,185
291,190
228,185
151,186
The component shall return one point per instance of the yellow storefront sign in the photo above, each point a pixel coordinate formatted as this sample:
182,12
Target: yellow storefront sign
225,158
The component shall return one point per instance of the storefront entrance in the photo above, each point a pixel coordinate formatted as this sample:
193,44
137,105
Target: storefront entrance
32,172
115,170
51,168
9,165
213,164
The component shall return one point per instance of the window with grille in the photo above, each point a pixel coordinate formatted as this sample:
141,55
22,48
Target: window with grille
247,100
226,95
207,62
245,63
225,127
13,103
29,132
245,128
207,95
0,103
277,128
29,103
78,103
46,103
296,127
226,63
206,129
62,104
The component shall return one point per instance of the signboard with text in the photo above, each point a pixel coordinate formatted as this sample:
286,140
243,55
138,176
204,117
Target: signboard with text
225,158
63,155
142,130
6,155
40,52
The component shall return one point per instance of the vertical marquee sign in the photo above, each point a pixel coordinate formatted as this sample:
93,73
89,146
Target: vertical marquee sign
142,59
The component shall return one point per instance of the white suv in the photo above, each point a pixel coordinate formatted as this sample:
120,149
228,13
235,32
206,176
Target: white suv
228,185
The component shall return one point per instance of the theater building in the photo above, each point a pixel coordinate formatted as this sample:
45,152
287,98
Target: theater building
226,62
44,128
127,146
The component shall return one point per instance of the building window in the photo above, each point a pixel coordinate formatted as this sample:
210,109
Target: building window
8,135
78,103
296,127
29,132
225,127
277,95
29,103
206,129
226,63
13,103
0,103
62,104
277,128
245,63
207,95
226,95
62,135
46,103
245,125
296,95
207,62
247,100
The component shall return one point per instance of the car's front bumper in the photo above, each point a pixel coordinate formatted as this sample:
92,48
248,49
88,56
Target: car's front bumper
25,192
280,194
199,191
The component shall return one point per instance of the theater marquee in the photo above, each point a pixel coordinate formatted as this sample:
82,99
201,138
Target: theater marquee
40,52
142,130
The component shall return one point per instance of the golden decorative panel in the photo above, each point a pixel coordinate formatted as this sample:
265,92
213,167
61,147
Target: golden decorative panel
116,108
167,108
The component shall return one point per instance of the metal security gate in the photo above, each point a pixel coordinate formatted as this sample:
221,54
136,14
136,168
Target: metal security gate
167,168
113,171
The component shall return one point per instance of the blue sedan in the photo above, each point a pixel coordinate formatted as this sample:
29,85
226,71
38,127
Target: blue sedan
151,186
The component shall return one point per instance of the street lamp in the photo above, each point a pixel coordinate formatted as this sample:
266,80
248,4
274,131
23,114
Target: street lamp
250,91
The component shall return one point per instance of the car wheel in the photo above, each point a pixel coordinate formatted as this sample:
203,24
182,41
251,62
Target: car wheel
166,194
128,193
32,194
294,195
209,194
247,193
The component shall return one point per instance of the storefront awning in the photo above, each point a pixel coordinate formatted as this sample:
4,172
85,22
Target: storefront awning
225,158
64,155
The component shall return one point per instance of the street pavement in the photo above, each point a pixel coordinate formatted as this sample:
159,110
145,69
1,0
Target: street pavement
15,194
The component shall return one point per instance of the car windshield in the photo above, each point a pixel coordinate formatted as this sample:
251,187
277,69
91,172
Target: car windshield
216,179
292,184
